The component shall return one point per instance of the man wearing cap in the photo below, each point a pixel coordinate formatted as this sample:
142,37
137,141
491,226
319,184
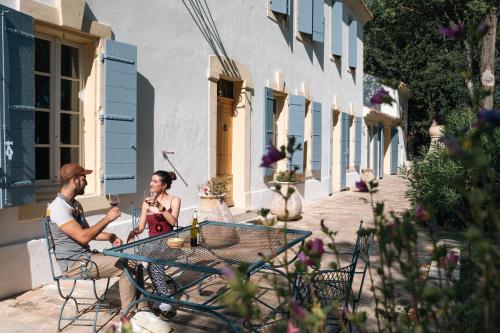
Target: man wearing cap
72,233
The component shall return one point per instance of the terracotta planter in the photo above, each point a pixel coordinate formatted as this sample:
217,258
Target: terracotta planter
213,208
294,204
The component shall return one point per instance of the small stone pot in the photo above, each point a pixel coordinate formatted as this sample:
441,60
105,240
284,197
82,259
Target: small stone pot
294,204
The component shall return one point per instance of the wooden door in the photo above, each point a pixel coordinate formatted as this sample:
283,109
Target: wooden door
225,143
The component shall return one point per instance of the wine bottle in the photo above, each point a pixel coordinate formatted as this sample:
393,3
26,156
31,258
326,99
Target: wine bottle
195,229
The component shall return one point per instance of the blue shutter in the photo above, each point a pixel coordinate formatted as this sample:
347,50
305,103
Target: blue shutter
357,146
344,151
394,150
337,24
353,43
120,117
316,137
318,33
268,123
17,152
306,16
375,150
281,6
382,151
296,113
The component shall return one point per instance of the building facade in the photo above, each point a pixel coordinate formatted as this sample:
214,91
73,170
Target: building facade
126,87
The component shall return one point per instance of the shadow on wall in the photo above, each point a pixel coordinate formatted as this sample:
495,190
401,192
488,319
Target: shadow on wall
145,134
202,17
88,18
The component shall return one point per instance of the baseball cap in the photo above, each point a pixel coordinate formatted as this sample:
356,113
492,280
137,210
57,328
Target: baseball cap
70,170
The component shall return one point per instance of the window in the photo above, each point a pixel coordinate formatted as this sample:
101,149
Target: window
274,125
311,19
57,106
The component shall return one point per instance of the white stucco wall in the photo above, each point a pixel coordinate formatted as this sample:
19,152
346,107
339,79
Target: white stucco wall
173,103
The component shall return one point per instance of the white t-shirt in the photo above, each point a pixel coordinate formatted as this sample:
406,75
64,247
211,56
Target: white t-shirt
62,211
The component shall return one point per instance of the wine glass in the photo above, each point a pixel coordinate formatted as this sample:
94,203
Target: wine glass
149,196
113,199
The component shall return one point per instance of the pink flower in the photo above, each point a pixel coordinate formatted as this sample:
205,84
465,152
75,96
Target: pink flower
292,328
305,259
453,31
361,186
273,155
381,97
227,273
452,258
315,246
298,311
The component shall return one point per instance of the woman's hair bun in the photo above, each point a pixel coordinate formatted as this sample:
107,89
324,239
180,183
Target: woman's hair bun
172,175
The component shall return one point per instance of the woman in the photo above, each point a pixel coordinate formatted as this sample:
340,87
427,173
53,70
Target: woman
160,213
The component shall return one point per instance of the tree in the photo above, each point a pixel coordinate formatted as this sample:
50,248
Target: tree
403,42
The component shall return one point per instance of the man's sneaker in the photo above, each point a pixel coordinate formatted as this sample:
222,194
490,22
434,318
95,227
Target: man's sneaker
148,322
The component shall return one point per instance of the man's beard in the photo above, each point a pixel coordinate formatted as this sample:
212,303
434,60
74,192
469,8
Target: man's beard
80,188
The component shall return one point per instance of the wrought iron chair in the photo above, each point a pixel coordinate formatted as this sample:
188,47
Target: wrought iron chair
334,287
83,305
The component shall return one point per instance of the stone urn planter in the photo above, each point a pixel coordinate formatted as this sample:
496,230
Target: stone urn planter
294,204
213,208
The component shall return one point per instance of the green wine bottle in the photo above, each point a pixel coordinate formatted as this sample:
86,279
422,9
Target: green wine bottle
195,229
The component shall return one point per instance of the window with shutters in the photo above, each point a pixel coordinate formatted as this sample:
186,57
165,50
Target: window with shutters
57,106
275,127
310,20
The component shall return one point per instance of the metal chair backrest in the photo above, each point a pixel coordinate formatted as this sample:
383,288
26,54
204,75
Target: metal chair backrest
51,246
361,252
329,285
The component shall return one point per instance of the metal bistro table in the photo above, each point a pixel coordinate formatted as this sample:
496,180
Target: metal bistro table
221,244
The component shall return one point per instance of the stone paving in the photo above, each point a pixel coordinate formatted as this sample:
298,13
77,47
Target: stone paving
37,310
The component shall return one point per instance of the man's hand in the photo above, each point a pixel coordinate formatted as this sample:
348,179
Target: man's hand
113,214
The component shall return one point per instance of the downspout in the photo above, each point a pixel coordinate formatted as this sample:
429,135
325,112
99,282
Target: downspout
3,160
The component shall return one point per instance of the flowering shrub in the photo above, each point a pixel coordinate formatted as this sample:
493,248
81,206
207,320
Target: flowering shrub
215,186
404,301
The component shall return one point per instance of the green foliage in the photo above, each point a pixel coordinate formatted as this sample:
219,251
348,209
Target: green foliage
402,42
287,176
430,184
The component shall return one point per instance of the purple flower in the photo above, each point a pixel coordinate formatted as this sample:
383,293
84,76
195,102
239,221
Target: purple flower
315,246
298,311
305,259
452,257
422,214
453,31
381,97
227,273
492,116
292,328
273,155
361,186
112,328
453,146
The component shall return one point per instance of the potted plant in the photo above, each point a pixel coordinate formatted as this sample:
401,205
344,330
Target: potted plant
212,206
285,201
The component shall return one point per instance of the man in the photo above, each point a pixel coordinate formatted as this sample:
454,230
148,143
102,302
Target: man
72,233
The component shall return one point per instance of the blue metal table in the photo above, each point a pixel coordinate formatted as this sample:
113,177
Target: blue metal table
221,244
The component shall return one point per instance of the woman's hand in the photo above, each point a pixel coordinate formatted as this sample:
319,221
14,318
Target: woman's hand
131,235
